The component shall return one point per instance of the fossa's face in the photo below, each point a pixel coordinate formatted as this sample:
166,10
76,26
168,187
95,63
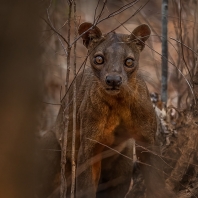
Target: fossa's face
114,57
114,62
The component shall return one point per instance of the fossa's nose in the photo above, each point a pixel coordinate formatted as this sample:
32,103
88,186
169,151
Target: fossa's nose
113,81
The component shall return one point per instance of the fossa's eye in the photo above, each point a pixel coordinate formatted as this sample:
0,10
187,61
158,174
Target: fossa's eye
129,62
98,60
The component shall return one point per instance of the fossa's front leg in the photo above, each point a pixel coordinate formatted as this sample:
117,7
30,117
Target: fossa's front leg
88,161
88,170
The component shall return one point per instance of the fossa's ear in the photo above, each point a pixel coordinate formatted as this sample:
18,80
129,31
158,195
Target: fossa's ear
92,34
139,35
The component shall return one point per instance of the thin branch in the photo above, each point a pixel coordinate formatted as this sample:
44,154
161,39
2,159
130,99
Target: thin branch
138,10
120,10
192,91
184,45
150,151
56,31
101,12
73,160
63,189
134,2
57,34
82,65
96,10
53,32
110,148
181,39
119,21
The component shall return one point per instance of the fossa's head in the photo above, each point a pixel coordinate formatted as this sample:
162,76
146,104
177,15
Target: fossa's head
114,57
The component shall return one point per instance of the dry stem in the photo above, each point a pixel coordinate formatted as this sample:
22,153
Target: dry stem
74,112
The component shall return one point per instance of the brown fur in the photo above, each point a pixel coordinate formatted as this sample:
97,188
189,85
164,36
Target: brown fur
112,118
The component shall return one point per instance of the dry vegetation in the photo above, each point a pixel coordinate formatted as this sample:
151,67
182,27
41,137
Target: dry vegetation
178,134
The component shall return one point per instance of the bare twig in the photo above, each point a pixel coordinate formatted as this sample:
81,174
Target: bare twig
53,31
138,10
73,160
192,91
56,31
119,21
63,188
57,34
185,45
96,10
110,148
101,12
82,65
120,10
181,39
127,6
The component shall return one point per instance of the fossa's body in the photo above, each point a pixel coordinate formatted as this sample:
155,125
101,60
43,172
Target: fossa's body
113,106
